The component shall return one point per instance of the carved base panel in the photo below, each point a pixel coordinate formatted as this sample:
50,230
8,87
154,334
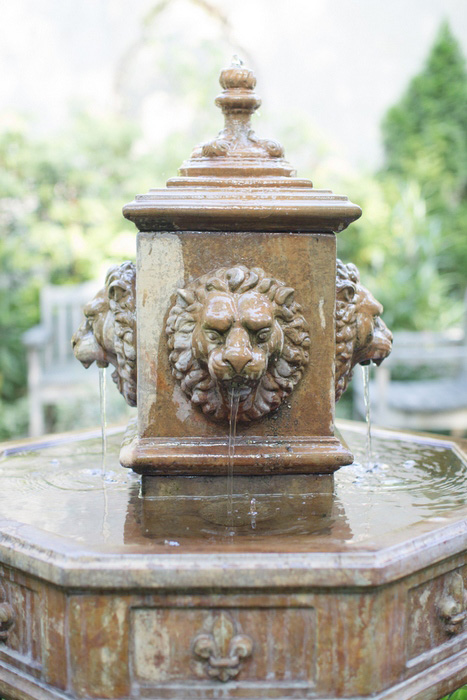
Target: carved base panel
112,589
313,643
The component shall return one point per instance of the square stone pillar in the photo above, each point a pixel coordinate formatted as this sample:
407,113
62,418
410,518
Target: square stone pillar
236,280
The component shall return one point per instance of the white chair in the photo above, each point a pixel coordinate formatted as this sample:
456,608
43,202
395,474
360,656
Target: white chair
53,371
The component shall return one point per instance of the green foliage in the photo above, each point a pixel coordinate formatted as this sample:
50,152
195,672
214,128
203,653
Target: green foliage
398,248
61,198
410,244
425,134
425,138
460,694
60,209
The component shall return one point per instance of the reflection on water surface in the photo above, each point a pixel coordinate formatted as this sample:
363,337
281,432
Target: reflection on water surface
60,488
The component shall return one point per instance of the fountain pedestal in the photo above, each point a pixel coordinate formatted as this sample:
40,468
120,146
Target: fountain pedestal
347,586
236,270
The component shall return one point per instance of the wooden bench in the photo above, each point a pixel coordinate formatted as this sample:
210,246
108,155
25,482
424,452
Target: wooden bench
436,402
53,372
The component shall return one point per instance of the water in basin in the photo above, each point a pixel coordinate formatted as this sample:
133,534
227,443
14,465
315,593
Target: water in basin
59,487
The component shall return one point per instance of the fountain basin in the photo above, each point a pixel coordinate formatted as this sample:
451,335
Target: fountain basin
349,585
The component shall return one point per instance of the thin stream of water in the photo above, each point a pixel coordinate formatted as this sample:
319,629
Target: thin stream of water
102,401
234,402
366,398
253,513
102,397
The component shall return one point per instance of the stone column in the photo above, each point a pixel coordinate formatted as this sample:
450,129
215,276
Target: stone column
236,277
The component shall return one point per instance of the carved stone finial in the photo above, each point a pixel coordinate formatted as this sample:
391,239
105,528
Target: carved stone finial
238,102
237,150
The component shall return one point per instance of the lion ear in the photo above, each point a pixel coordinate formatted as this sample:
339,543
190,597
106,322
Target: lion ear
346,293
284,295
116,291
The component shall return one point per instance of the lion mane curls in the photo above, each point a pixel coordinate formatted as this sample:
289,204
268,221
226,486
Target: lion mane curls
283,370
108,336
347,279
108,332
120,283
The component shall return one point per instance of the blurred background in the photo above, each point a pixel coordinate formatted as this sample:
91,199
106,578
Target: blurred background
101,99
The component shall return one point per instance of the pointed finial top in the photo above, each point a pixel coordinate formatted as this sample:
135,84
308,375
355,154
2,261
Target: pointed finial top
237,75
236,148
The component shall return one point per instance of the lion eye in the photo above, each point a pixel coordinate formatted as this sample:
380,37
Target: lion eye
214,336
263,335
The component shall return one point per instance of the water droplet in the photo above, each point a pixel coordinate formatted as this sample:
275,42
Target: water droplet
253,513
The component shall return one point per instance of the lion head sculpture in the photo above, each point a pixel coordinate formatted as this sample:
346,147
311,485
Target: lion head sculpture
361,335
108,333
237,335
232,333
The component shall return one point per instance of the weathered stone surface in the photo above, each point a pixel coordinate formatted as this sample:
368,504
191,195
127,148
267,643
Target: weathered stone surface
236,206
328,591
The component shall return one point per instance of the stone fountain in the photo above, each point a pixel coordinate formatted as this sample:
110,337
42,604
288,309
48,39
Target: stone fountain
239,565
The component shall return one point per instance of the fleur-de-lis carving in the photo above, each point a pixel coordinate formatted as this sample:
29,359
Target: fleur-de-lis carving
222,648
453,605
7,617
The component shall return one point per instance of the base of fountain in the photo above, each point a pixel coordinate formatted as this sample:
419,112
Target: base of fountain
352,585
251,456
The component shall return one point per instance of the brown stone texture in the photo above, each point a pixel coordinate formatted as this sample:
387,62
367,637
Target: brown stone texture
99,646
321,643
236,202
300,432
304,262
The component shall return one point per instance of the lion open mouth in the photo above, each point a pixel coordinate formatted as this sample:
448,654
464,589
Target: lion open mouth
238,387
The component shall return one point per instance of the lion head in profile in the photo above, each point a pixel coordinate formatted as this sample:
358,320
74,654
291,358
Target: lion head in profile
361,335
237,338
108,333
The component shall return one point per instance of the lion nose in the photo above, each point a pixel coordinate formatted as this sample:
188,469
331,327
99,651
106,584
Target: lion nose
237,362
237,353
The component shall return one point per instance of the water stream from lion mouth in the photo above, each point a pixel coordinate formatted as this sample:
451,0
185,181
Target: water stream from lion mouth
103,412
367,401
102,403
234,403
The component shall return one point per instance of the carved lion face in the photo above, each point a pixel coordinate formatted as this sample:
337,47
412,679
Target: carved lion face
361,334
93,341
107,334
237,334
374,339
